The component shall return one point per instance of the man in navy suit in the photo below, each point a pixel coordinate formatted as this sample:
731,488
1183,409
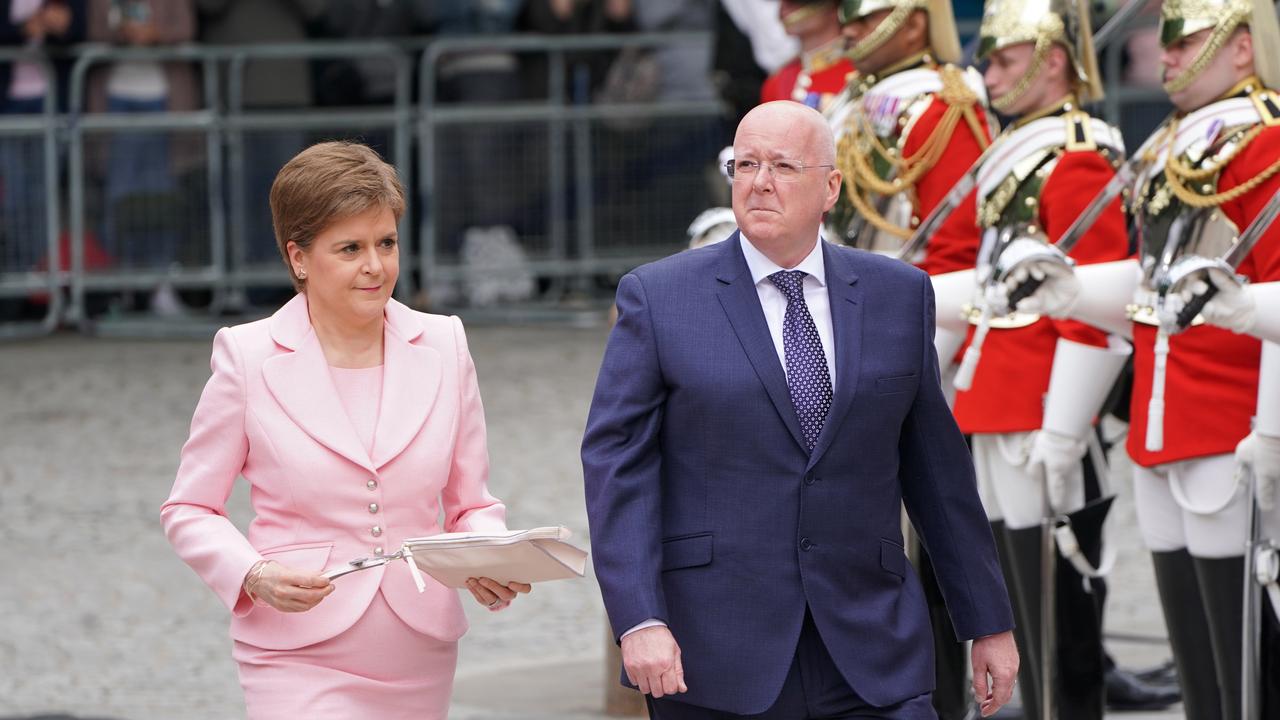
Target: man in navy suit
764,407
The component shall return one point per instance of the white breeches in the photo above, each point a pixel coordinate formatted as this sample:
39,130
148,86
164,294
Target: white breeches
1195,504
1009,490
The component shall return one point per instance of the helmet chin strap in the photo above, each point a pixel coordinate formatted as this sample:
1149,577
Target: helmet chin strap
1006,101
887,28
1206,54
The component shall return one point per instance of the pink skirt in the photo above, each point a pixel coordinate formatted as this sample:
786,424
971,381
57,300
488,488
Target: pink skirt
379,667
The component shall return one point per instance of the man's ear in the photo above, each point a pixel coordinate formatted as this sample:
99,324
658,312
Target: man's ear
834,178
915,31
1242,52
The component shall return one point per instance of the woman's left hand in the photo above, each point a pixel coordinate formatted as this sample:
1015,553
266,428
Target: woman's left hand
493,594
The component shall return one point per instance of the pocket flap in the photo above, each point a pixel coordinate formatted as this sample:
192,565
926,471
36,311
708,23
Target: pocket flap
686,551
893,558
899,384
311,557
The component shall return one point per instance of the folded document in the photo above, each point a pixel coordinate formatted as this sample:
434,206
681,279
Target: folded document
526,556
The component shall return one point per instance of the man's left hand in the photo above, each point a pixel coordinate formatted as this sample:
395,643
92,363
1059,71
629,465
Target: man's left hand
995,656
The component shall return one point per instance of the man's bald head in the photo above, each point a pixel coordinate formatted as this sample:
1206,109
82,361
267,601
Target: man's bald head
804,125
788,179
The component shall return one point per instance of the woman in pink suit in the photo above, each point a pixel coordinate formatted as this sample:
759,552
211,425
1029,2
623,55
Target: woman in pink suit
357,422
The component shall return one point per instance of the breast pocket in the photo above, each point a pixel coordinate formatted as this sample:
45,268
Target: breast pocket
896,384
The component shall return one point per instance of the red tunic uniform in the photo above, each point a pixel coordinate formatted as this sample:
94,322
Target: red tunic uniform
821,84
1008,388
955,245
1211,389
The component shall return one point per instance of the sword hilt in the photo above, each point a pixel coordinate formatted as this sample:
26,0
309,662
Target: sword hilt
1024,291
1193,307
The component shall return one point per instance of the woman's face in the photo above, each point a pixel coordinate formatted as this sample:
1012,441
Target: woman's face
352,266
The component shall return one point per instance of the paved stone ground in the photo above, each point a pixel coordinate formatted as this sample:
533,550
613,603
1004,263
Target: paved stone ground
98,619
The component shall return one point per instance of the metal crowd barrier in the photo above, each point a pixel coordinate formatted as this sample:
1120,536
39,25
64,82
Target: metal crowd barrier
30,254
587,188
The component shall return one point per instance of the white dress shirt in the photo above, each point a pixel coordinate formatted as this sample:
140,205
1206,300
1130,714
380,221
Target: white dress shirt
774,304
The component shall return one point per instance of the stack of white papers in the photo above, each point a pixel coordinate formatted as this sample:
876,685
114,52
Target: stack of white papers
526,556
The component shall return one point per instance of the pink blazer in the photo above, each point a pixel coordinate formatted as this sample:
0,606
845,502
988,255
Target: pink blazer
271,414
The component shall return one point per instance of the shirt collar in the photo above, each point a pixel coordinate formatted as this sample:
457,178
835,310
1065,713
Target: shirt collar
762,267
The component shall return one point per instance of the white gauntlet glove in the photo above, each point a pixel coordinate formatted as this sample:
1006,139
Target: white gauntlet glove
1060,456
1260,455
1055,297
1232,307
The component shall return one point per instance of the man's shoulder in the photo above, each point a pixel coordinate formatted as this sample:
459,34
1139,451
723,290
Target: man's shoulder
877,266
696,263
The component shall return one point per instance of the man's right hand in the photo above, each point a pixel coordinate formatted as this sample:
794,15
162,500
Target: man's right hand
651,658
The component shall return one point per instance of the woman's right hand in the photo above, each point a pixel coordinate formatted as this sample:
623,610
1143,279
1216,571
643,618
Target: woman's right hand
286,589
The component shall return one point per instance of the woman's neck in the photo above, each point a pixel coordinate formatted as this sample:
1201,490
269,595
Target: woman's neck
347,343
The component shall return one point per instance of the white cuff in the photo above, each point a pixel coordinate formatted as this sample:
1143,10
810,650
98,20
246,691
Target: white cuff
651,622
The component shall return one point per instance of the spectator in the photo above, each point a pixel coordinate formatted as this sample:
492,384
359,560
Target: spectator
23,88
141,222
586,70
268,85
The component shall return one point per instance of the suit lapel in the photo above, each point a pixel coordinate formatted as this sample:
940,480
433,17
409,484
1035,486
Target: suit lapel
301,383
741,303
411,377
846,325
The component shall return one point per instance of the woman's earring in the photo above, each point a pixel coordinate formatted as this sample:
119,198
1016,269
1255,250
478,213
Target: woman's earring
301,273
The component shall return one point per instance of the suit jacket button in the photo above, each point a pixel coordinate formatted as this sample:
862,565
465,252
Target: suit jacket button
805,544
378,551
373,507
372,484
809,479
376,531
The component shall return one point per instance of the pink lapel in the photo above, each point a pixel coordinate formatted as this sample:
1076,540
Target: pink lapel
411,377
301,383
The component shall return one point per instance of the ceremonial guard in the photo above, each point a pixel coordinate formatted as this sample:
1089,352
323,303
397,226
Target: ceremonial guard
1206,175
908,125
818,74
1028,433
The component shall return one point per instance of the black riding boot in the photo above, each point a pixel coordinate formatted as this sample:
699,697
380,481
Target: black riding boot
1269,676
1222,587
1188,627
1079,670
1028,689
951,668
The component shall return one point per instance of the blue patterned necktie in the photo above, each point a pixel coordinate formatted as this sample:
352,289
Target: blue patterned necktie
808,378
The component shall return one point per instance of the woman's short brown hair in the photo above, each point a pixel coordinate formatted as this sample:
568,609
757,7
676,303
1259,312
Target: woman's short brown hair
329,181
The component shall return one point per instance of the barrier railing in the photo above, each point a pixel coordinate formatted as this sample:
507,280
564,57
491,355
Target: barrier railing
30,214
566,201
589,188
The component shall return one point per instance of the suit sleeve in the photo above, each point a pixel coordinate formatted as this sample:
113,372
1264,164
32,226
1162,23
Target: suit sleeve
621,466
941,496
194,517
467,504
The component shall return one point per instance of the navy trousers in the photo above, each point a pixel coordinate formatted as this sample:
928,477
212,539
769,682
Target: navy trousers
814,690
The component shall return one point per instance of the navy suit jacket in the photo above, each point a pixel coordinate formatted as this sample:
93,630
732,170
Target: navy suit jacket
708,512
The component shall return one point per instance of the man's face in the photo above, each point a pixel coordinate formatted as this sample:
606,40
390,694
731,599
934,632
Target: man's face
1216,79
805,18
856,30
775,213
1005,67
